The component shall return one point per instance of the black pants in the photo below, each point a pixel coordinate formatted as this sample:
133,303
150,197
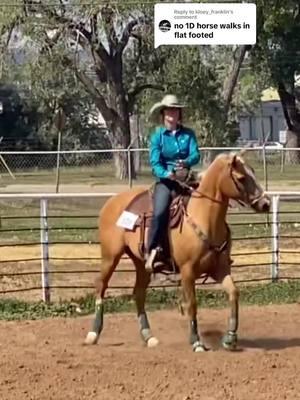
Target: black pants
162,200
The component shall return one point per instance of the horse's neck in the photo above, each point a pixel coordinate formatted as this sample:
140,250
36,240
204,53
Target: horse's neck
209,211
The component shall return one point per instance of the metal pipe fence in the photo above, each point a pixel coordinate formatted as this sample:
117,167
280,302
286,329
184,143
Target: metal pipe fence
52,245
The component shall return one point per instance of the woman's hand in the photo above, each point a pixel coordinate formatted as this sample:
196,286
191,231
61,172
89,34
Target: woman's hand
172,176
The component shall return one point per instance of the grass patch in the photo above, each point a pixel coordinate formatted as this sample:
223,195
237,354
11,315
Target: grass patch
271,293
13,309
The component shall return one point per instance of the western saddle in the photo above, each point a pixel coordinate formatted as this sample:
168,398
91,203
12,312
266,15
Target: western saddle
142,205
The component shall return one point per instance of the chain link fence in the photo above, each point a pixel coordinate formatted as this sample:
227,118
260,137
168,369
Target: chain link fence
94,168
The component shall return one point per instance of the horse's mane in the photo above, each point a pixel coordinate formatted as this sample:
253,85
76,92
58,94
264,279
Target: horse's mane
221,156
229,155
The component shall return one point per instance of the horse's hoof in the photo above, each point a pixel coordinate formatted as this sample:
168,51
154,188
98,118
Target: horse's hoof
91,338
152,342
199,347
229,341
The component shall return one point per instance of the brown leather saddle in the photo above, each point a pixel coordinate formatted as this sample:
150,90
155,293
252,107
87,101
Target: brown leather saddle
142,205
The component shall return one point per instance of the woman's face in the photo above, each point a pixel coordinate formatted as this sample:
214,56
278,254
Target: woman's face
171,116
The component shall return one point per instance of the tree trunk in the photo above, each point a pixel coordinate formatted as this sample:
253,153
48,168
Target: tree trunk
292,118
121,134
135,131
122,170
231,81
292,156
121,165
120,139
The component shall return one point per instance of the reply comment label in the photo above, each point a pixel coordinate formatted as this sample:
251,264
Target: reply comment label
204,24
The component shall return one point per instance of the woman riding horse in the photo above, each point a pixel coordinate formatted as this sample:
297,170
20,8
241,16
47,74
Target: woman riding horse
173,151
201,245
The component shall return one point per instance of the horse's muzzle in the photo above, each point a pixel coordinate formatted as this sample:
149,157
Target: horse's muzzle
263,204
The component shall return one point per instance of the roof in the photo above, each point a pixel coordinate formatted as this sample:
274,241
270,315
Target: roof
270,94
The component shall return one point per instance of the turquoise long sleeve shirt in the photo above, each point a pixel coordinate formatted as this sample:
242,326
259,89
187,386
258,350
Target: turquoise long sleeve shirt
166,149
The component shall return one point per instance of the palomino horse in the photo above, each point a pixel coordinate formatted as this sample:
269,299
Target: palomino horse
201,245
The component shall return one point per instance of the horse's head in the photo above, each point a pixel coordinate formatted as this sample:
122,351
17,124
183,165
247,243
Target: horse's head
239,182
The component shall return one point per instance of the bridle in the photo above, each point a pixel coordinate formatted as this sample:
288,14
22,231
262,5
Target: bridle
240,188
244,194
219,249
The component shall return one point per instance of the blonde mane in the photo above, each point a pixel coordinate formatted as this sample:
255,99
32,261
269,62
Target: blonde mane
223,157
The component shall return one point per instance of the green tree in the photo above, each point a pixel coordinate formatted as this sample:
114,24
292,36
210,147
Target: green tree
18,119
277,52
105,47
109,50
210,81
38,94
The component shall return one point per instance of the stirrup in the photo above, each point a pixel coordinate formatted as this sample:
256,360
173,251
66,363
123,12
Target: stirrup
150,260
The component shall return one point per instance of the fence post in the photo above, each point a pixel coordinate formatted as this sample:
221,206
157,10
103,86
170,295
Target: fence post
129,148
129,167
60,122
275,238
58,163
44,240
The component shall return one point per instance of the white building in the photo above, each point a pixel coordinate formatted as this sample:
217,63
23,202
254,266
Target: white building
267,121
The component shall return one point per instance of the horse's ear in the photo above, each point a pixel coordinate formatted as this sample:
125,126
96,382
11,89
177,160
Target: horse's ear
235,167
234,161
243,152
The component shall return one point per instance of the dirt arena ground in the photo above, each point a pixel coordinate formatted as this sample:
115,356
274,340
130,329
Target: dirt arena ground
46,359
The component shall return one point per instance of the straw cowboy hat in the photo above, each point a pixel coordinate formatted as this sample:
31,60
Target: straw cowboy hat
169,101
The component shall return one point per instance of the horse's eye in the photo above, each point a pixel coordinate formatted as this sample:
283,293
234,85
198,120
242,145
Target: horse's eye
242,179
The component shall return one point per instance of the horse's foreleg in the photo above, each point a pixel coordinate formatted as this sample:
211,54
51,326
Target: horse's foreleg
142,281
188,285
107,268
230,339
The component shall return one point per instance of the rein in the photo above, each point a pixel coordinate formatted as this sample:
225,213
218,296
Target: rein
243,202
203,195
202,236
200,194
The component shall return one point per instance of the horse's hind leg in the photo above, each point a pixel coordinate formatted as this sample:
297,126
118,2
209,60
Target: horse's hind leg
108,266
143,278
